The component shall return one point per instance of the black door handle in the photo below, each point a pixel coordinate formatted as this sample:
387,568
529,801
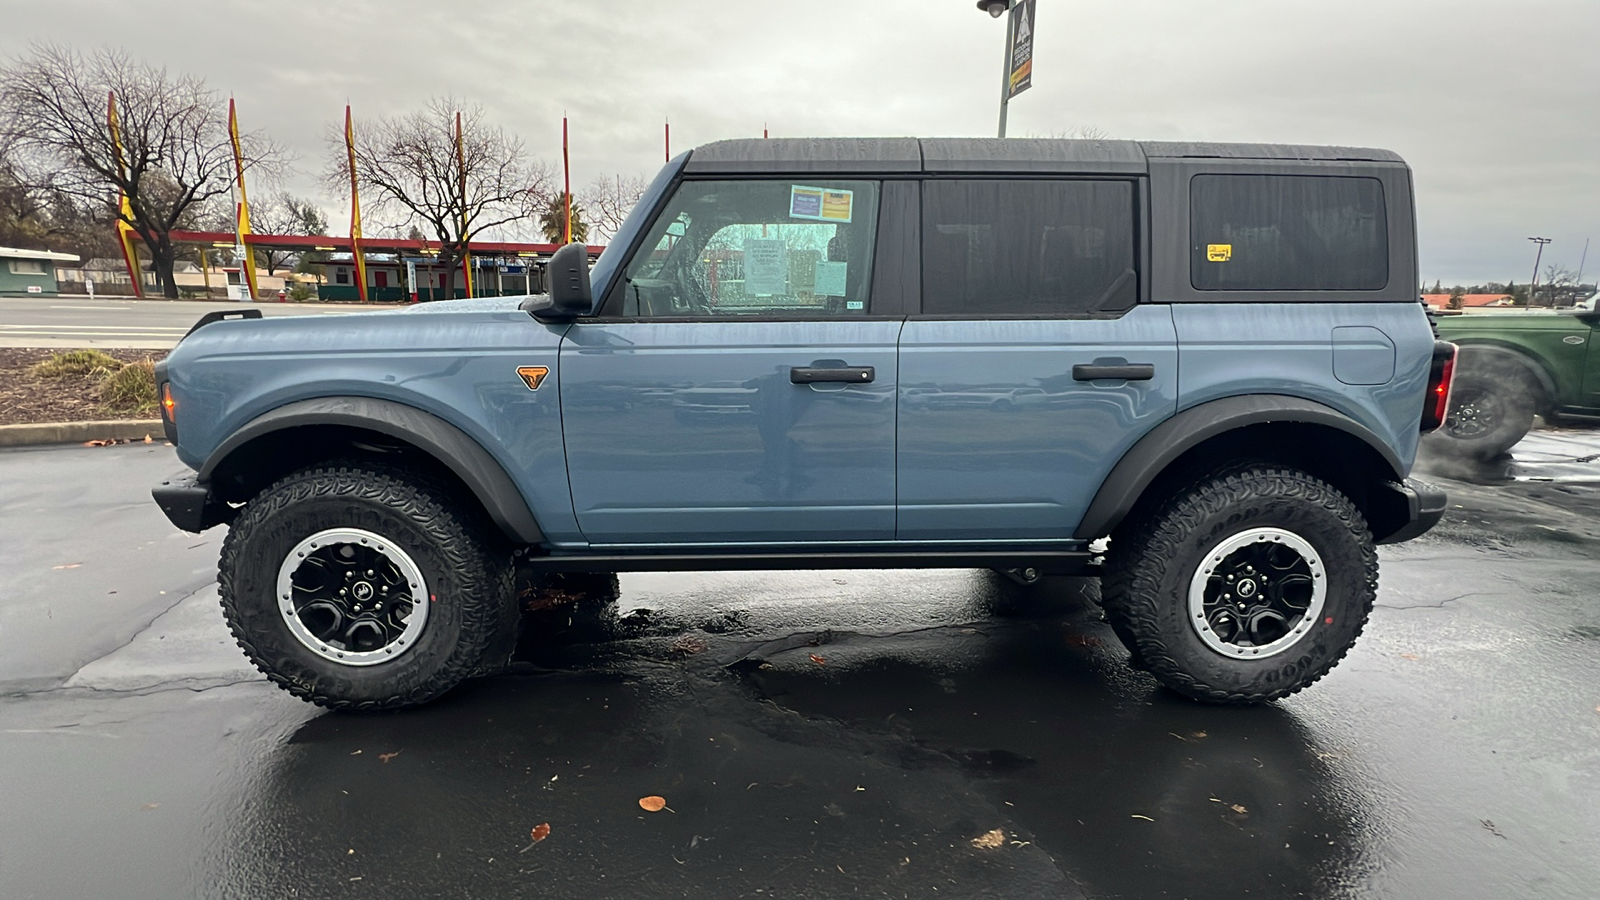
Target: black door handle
847,374
1124,372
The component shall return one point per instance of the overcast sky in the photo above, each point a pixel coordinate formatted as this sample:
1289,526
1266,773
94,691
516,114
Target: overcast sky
1496,104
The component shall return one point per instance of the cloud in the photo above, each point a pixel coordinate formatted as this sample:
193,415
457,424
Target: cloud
1493,102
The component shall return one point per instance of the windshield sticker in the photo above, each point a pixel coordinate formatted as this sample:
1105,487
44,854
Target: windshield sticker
830,278
766,267
820,204
1219,252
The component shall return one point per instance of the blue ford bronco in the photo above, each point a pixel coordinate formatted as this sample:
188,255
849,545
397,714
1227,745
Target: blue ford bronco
802,354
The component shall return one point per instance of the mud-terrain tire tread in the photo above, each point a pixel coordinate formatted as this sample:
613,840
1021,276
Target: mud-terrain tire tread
1146,550
473,553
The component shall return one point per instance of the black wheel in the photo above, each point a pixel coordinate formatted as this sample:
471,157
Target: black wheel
1244,588
355,586
1490,411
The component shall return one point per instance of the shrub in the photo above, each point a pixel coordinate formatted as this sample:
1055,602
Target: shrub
131,389
77,362
301,292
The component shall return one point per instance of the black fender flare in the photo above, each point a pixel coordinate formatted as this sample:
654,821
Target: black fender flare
449,445
1165,443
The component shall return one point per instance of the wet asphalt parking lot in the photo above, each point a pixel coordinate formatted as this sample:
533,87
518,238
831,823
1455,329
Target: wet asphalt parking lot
817,734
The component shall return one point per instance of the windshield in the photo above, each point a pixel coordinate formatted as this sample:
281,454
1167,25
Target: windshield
605,268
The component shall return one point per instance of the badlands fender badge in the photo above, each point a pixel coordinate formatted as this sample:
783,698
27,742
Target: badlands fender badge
532,376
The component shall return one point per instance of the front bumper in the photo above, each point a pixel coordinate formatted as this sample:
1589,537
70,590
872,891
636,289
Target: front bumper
1424,506
189,504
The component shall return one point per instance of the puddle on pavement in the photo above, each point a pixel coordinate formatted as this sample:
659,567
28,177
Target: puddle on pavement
1556,456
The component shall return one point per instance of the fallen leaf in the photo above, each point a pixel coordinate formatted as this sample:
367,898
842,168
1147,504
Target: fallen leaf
539,833
1200,734
147,439
67,566
688,645
1238,809
385,757
990,840
151,806
652,803
1410,656
355,753
818,660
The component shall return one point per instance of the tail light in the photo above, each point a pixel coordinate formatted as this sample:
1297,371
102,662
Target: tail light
1440,374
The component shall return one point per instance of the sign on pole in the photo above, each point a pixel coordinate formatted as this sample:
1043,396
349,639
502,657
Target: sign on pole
1021,47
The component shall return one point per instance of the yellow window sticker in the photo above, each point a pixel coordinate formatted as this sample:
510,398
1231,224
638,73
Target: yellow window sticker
820,204
1219,252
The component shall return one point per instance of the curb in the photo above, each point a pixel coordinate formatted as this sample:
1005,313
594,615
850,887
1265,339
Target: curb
79,432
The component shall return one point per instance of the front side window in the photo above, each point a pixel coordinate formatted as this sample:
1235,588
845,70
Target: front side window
1027,247
1287,233
757,248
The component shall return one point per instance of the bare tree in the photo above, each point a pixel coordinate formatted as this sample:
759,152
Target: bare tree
284,213
411,163
174,130
1559,286
608,200
1077,133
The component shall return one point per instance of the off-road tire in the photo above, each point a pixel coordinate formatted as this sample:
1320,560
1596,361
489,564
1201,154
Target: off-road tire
1490,411
1153,558
463,559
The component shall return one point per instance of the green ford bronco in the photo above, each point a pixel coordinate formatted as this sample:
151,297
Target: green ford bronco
1515,365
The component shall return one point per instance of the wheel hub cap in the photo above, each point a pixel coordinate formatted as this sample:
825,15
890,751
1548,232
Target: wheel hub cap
352,596
1257,593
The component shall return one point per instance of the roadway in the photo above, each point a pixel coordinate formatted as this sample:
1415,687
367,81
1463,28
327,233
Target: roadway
69,322
815,734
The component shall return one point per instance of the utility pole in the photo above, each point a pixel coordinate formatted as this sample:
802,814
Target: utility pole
1533,286
1584,259
1015,76
1005,69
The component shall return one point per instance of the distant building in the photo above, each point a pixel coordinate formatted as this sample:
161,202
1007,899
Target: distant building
24,272
386,278
110,276
1468,301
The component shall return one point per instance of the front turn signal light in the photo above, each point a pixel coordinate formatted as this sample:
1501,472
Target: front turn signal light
169,408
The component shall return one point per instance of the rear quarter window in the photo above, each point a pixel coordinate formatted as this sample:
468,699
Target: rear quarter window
1287,233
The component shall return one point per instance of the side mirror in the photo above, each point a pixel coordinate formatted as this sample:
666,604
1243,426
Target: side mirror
570,293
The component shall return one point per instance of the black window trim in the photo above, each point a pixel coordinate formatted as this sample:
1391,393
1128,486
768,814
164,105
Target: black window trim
1170,243
1383,197
1141,247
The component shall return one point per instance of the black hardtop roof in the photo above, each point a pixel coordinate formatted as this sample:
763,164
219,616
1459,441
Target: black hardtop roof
907,156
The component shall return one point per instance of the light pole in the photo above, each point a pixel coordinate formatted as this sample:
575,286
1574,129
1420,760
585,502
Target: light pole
1533,287
996,9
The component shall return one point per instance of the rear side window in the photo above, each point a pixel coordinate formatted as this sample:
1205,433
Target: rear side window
1027,247
1287,233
